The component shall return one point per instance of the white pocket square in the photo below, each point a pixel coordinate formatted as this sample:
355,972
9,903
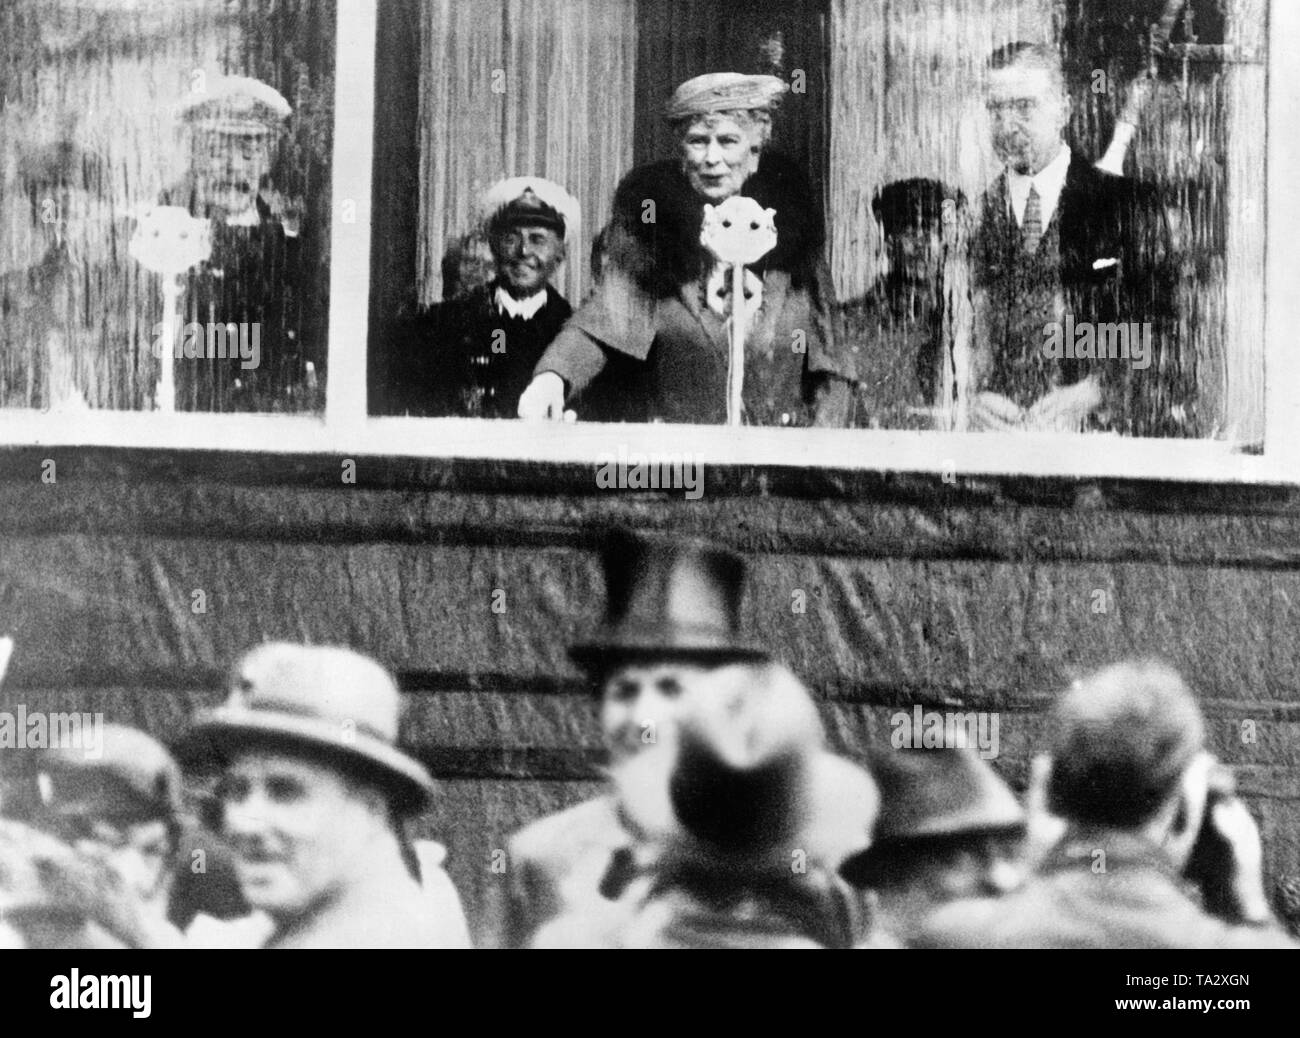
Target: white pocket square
1102,264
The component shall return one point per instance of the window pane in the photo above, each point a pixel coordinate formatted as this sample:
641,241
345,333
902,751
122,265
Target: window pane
1052,298
165,201
1017,217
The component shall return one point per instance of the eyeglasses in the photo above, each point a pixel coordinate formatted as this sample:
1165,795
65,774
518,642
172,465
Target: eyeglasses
1022,106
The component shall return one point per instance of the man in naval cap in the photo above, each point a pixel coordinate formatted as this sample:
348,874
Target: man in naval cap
473,355
234,126
259,300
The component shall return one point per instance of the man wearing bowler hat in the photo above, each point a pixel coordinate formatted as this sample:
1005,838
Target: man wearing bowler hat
314,793
672,618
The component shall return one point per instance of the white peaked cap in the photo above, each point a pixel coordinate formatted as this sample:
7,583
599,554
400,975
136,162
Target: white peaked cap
548,192
240,95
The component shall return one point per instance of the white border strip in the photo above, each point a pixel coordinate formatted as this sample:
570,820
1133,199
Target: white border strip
354,138
1282,255
956,454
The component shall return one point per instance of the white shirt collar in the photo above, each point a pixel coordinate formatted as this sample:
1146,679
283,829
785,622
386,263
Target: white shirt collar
520,308
1048,182
249,217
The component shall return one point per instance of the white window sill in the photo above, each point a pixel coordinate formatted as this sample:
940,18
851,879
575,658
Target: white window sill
1055,455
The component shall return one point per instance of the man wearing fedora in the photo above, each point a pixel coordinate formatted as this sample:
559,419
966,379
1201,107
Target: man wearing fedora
314,794
672,618
949,828
745,817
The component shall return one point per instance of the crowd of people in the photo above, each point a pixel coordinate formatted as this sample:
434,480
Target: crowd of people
956,326
281,818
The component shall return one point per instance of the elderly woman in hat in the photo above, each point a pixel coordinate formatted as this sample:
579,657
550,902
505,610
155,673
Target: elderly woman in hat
652,327
314,795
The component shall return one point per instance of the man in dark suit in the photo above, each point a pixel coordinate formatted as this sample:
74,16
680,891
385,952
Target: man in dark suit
1072,284
473,355
1148,813
672,618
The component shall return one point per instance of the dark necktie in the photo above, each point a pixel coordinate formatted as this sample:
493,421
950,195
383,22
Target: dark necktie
1032,227
621,871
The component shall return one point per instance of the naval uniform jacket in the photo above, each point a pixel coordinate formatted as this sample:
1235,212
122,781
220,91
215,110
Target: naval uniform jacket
466,357
260,279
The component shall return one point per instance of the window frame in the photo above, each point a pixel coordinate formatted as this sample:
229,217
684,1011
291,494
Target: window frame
347,429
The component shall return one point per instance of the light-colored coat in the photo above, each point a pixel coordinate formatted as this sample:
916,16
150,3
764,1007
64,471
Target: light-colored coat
559,863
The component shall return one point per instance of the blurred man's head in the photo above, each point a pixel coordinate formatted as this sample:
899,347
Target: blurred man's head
749,816
313,789
949,828
641,699
911,214
235,125
672,617
122,807
1128,753
302,829
467,264
1027,104
528,221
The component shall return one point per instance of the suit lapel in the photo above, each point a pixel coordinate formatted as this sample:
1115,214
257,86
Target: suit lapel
1089,229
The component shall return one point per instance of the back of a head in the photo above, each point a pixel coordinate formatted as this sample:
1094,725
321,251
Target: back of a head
1122,739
